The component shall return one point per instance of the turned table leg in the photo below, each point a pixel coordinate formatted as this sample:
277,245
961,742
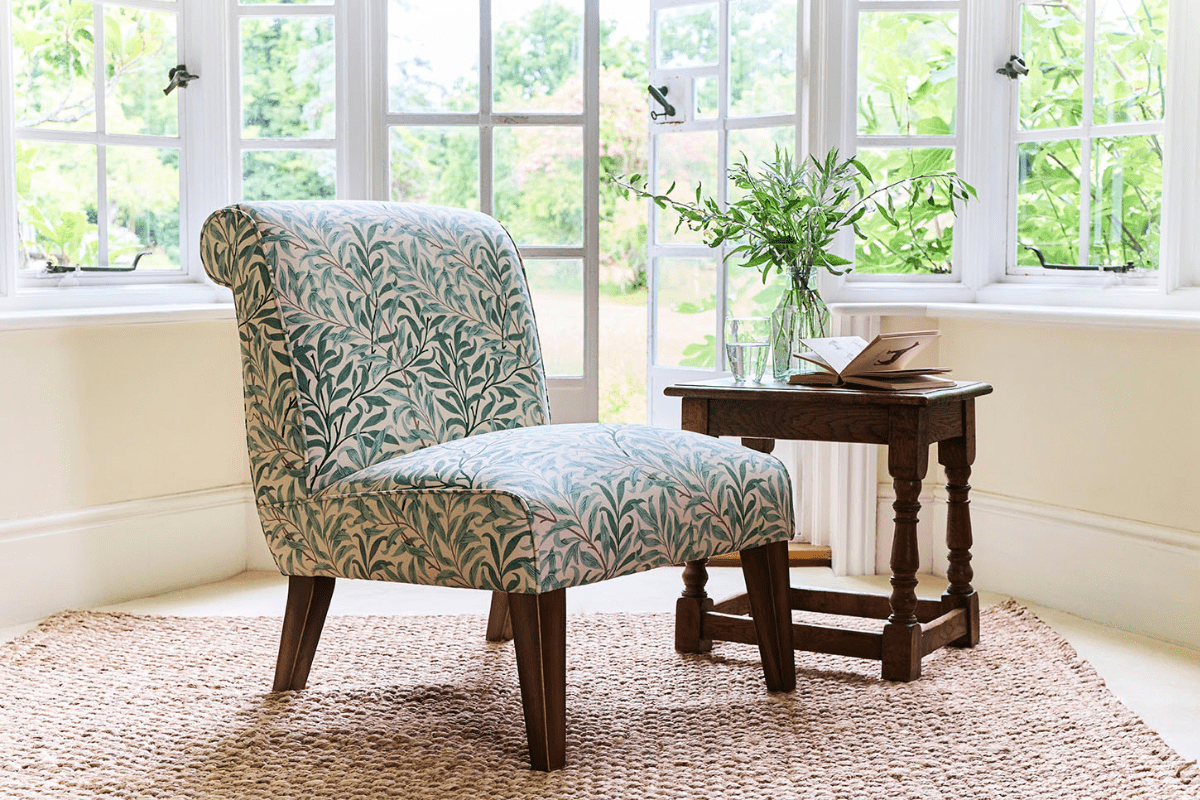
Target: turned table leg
956,456
908,460
690,609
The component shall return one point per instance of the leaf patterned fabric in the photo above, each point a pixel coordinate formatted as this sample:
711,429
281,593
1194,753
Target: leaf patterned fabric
396,415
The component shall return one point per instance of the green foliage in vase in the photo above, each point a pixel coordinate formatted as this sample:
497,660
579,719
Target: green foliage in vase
789,213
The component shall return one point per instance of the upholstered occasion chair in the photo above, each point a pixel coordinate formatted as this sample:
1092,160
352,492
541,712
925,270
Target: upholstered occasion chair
397,423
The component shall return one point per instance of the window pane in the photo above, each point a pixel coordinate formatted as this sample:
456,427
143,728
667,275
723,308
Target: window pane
56,204
1126,201
745,293
538,56
1131,58
436,165
707,96
557,289
53,55
687,36
139,50
289,175
539,183
758,146
685,159
143,206
1052,46
762,57
433,55
1048,201
685,312
288,77
923,242
907,73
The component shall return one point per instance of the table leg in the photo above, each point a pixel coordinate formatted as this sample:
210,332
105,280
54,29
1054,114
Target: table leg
908,459
690,609
956,456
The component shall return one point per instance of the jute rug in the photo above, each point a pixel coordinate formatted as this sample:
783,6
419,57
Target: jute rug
122,705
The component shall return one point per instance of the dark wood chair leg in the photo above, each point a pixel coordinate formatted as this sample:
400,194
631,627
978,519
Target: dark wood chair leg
307,604
766,572
539,624
499,626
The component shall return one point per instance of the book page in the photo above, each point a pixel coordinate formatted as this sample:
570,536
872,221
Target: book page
838,352
889,351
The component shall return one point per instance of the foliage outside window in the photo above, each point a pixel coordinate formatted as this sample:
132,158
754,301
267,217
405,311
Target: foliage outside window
97,157
1090,122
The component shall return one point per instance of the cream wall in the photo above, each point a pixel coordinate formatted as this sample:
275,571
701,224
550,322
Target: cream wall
100,415
124,471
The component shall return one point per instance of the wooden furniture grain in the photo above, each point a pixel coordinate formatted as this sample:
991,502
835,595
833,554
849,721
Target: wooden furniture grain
908,423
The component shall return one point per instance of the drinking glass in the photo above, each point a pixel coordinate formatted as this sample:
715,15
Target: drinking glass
746,347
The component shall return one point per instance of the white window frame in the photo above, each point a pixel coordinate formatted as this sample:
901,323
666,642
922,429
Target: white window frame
988,35
201,47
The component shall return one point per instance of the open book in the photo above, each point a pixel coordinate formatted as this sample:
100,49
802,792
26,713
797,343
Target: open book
881,363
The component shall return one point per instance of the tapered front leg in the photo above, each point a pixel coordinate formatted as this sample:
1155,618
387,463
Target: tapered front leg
499,625
766,571
307,604
539,623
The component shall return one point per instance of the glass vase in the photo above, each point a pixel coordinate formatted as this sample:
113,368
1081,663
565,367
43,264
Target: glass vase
800,314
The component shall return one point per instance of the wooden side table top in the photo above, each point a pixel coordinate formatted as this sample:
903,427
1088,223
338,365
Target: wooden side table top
729,389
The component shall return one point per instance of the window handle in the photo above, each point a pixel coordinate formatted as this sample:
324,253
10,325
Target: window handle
659,93
59,269
1126,267
180,78
1013,68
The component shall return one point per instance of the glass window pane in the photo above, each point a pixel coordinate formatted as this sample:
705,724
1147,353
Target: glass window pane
923,241
56,204
53,55
143,206
556,286
288,77
539,183
687,36
1048,201
685,312
289,175
685,159
1131,59
538,56
758,146
1052,46
907,72
745,293
433,55
762,57
707,96
1126,201
437,165
139,51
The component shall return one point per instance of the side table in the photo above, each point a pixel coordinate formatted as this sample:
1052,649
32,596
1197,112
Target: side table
907,422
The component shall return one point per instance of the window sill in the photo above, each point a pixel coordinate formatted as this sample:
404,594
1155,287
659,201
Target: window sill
114,315
1089,317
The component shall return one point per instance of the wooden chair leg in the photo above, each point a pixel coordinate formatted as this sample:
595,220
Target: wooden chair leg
539,623
307,604
766,572
499,626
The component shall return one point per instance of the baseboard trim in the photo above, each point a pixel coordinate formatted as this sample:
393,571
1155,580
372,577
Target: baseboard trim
110,553
1129,574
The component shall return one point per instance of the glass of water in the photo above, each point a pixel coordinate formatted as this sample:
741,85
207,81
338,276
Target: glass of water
746,347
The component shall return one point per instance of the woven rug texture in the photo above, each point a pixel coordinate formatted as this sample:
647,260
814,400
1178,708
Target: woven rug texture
123,705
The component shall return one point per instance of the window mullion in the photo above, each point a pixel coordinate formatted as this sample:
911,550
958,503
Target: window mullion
487,203
1085,132
98,73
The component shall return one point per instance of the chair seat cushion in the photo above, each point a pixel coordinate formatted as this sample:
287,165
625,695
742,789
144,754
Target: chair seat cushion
535,509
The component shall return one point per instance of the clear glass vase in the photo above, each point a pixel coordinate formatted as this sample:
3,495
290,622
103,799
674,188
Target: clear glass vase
800,314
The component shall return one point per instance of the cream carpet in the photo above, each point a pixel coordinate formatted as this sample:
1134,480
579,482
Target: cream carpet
122,705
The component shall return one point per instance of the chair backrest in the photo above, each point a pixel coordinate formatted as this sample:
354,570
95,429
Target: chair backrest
370,330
